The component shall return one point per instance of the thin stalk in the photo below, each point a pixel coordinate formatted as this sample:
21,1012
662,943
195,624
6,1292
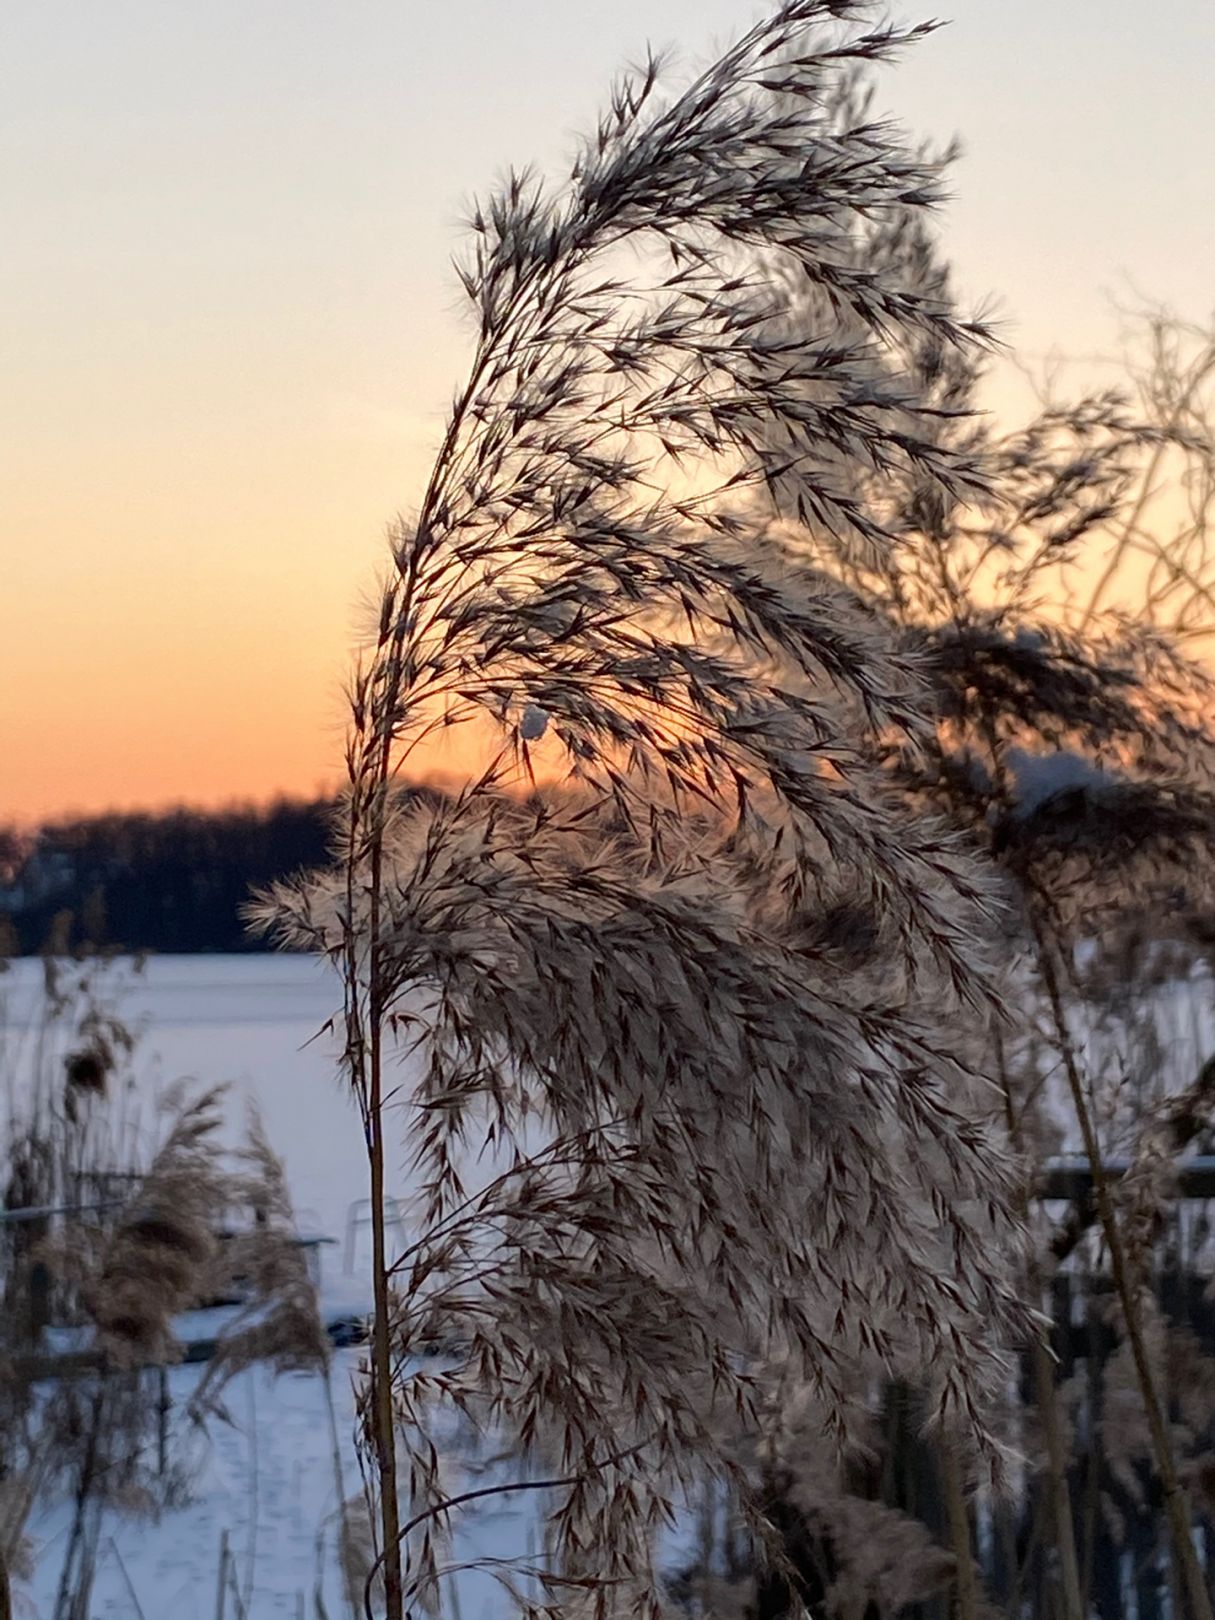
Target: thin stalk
381,1339
1060,1497
1030,1550
1092,1478
251,1546
1047,1401
74,1575
966,1580
383,1422
131,1592
1176,1503
339,1482
242,1612
400,677
221,1581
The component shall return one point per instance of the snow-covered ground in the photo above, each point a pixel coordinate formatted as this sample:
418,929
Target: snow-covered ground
267,1482
268,1485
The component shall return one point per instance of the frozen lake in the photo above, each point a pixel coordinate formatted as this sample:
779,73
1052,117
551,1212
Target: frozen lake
254,1023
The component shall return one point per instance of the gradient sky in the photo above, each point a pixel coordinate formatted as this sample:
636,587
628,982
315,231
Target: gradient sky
228,329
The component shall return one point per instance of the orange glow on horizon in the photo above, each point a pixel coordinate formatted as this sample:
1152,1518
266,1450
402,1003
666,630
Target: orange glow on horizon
230,330
178,613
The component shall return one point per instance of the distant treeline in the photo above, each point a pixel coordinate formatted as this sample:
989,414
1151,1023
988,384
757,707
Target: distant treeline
173,881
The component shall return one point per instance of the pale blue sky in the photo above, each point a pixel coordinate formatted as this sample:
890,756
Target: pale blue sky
228,329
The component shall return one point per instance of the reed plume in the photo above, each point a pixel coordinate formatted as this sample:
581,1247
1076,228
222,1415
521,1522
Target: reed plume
697,1008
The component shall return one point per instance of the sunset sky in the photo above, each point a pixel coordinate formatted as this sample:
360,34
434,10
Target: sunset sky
229,330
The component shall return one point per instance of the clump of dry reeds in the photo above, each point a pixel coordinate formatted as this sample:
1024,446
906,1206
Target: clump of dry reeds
110,1239
1071,737
688,1010
158,1257
279,1322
